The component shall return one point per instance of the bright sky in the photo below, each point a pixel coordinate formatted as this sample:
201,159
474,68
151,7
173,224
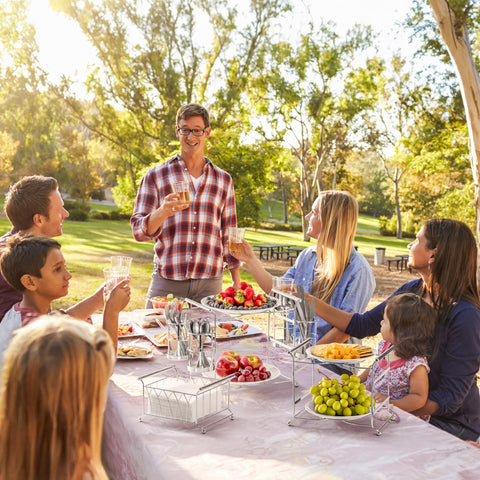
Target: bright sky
63,50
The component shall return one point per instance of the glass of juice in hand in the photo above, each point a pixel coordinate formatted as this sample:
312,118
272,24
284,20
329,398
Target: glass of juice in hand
235,237
182,189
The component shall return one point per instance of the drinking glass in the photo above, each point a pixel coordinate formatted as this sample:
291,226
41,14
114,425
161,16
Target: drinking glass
235,237
183,190
121,261
113,276
283,284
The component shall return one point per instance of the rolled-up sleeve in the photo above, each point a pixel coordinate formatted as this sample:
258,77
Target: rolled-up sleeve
146,202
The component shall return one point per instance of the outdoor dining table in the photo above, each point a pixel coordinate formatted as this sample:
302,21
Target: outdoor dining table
258,443
270,251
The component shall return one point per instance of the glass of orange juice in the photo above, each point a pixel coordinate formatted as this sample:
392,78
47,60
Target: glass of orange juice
183,191
235,237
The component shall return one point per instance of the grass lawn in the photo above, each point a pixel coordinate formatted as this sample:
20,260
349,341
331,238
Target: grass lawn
87,247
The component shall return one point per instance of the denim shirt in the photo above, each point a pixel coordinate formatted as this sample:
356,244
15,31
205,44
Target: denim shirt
353,291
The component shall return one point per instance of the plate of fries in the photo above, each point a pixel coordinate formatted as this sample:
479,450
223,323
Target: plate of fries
340,352
132,352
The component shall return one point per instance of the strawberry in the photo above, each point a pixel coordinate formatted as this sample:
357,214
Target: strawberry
248,303
261,297
230,291
249,293
239,297
219,298
223,294
243,285
229,300
258,302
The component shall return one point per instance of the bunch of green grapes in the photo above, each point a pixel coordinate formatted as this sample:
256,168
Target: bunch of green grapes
346,399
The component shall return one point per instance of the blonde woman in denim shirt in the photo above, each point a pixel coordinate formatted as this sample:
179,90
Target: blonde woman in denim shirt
332,270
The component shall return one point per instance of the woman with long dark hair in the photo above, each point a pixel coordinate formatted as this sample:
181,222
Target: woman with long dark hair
444,253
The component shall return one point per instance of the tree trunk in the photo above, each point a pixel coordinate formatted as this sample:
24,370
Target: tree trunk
454,32
284,198
396,183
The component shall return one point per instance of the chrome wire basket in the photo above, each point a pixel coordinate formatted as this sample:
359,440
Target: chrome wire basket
196,400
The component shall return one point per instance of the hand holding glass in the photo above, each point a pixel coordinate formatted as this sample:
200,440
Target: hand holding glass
235,238
182,189
113,276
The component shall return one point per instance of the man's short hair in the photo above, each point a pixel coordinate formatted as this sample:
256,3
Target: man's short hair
24,255
193,110
29,197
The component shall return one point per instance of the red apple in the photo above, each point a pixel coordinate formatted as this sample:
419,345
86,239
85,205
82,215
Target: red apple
226,365
232,353
251,361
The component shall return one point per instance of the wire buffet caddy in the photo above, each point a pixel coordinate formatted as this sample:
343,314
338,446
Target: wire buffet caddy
197,400
292,326
379,414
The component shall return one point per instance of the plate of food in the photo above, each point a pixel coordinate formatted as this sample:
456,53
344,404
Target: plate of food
149,317
234,329
274,373
310,408
240,302
133,352
128,330
340,353
158,338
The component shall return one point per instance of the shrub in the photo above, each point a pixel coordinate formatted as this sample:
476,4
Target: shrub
78,215
388,226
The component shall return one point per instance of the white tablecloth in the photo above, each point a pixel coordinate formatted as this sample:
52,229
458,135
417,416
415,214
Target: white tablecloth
259,444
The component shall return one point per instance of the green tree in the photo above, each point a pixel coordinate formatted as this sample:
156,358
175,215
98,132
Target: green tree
454,19
29,112
313,97
8,149
153,61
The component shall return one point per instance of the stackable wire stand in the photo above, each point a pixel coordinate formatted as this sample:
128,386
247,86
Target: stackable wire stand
289,329
381,412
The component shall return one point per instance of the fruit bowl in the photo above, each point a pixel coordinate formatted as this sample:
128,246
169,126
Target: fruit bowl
212,303
162,302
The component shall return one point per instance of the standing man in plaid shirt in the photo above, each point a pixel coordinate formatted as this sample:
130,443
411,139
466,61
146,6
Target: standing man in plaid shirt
191,240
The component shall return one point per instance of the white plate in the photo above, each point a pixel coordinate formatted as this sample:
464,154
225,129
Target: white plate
248,332
239,311
150,335
310,408
125,357
338,360
136,332
149,317
275,373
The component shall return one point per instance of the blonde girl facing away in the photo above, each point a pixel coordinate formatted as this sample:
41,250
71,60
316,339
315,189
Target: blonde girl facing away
331,270
53,395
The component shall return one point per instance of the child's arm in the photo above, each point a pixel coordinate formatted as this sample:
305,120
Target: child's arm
83,309
418,391
364,375
116,302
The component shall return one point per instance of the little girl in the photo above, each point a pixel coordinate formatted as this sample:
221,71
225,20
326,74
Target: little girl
408,323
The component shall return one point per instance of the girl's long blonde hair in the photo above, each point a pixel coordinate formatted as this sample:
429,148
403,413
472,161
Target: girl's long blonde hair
338,212
53,397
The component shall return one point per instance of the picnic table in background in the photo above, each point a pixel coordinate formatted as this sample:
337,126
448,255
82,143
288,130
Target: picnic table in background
277,251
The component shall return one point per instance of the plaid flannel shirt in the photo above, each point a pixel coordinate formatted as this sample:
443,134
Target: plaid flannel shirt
193,243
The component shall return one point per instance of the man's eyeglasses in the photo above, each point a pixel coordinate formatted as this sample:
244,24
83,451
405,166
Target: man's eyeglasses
197,132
